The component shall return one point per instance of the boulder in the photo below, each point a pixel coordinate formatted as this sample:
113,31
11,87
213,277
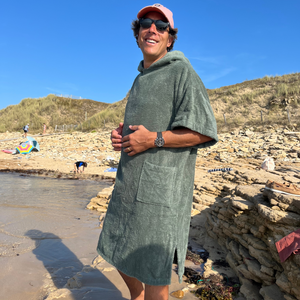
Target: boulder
241,204
250,290
280,217
271,292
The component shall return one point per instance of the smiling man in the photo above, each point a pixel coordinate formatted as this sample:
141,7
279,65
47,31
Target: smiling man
168,118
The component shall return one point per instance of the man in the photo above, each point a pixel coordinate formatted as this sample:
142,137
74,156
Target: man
79,166
168,117
26,129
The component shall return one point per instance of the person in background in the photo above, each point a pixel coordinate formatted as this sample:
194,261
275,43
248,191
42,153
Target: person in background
79,166
168,117
44,128
26,129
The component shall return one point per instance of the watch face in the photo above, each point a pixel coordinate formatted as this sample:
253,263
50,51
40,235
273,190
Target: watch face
159,142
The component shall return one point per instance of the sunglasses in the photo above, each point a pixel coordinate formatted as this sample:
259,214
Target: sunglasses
160,25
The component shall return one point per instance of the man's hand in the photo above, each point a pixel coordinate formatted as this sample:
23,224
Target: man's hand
139,141
116,138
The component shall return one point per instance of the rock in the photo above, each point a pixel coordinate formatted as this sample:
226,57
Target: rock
241,203
242,269
267,270
199,207
289,297
254,267
232,262
262,257
178,294
251,193
271,292
255,242
281,217
63,293
204,199
289,202
234,248
250,290
283,282
101,209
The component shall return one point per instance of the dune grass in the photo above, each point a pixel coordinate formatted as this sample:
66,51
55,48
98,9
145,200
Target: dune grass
241,103
51,110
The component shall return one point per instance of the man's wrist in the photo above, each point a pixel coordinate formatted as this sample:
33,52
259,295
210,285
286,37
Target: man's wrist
151,139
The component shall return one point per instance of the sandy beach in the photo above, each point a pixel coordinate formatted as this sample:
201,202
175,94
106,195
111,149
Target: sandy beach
241,151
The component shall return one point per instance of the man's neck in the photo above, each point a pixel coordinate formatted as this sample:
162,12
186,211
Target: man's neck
148,61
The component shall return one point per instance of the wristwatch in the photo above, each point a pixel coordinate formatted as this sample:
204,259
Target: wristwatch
159,141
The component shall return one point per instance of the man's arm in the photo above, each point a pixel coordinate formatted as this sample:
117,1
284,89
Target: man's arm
142,139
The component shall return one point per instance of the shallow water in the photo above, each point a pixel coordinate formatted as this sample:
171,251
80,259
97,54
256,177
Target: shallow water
44,228
44,205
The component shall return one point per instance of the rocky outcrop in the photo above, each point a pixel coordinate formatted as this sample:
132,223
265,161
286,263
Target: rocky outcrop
281,144
247,222
100,203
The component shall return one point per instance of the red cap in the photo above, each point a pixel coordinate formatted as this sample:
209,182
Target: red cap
159,8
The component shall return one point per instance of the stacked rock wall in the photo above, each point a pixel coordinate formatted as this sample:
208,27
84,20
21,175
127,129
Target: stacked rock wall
247,222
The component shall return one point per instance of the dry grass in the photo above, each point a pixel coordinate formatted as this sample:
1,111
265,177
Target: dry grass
241,103
51,110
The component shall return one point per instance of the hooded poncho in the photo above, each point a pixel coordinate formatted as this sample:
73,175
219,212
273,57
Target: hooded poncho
148,217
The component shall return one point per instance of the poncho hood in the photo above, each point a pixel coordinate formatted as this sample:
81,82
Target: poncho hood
170,57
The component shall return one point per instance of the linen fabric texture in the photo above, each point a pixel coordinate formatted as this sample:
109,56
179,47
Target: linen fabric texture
148,217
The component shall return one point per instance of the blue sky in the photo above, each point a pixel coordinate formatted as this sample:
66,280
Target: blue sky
87,49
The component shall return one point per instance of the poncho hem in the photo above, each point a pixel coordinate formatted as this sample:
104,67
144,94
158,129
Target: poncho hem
158,282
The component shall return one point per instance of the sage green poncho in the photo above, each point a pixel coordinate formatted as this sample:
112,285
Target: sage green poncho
149,214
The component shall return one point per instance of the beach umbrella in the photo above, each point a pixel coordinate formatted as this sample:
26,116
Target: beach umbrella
35,144
24,148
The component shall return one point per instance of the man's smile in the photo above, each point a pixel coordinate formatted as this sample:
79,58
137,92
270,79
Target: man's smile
151,41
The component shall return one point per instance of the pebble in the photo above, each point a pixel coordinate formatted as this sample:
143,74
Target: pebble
178,294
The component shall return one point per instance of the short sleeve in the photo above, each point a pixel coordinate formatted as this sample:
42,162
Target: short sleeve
193,109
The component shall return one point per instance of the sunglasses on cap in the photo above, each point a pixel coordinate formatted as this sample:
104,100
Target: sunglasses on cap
160,25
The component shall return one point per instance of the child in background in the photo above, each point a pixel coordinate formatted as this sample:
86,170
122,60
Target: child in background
79,166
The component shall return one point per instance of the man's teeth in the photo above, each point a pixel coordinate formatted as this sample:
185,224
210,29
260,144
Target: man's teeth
151,41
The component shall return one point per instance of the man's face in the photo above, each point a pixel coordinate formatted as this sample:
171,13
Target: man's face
153,43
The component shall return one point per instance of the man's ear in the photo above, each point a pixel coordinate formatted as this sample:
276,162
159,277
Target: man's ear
170,41
138,40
